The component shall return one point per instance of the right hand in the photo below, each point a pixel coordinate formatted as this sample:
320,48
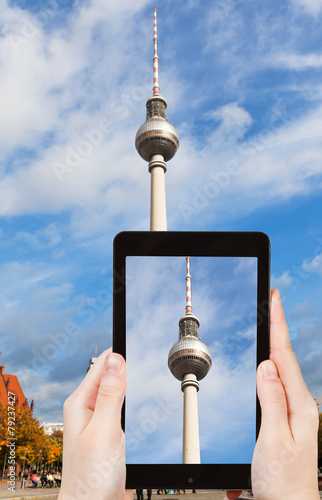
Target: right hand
284,464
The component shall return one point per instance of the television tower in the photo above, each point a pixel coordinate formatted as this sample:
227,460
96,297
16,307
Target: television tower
189,361
157,142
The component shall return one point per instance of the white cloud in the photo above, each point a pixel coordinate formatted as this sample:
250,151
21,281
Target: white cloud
299,62
283,281
314,265
313,7
234,120
69,89
36,81
49,86
31,275
231,115
48,396
274,165
47,237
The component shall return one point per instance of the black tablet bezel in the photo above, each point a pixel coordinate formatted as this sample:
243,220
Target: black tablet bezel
208,244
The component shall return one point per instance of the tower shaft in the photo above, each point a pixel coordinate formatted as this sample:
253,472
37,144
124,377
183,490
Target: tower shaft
158,211
190,443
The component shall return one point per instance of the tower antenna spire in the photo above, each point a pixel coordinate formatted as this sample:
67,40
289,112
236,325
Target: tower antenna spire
156,87
188,288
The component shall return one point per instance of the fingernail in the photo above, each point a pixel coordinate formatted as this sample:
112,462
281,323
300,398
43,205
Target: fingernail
113,363
276,297
269,370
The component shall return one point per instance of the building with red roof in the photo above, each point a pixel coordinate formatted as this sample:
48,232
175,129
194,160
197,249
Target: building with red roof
10,384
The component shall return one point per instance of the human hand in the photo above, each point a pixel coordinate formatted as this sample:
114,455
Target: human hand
285,458
94,444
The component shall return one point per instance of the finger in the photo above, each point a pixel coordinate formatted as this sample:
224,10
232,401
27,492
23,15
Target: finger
279,336
273,402
284,358
79,407
111,393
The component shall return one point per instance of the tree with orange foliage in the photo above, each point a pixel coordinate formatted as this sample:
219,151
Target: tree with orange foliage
3,424
57,440
31,443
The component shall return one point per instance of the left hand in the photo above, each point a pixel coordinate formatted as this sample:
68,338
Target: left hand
94,443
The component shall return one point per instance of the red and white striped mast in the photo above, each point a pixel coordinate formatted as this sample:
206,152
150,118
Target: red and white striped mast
156,87
188,288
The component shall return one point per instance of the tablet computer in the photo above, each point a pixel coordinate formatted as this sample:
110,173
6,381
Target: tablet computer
191,318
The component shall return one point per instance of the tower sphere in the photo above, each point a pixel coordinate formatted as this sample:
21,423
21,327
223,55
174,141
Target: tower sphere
189,355
157,136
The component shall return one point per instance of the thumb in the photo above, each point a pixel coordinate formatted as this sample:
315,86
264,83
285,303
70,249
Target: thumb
111,391
272,399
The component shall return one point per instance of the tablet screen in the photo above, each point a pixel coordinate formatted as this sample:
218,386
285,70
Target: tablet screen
224,300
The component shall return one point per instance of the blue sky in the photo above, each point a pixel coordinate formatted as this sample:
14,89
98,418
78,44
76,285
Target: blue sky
243,85
224,292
